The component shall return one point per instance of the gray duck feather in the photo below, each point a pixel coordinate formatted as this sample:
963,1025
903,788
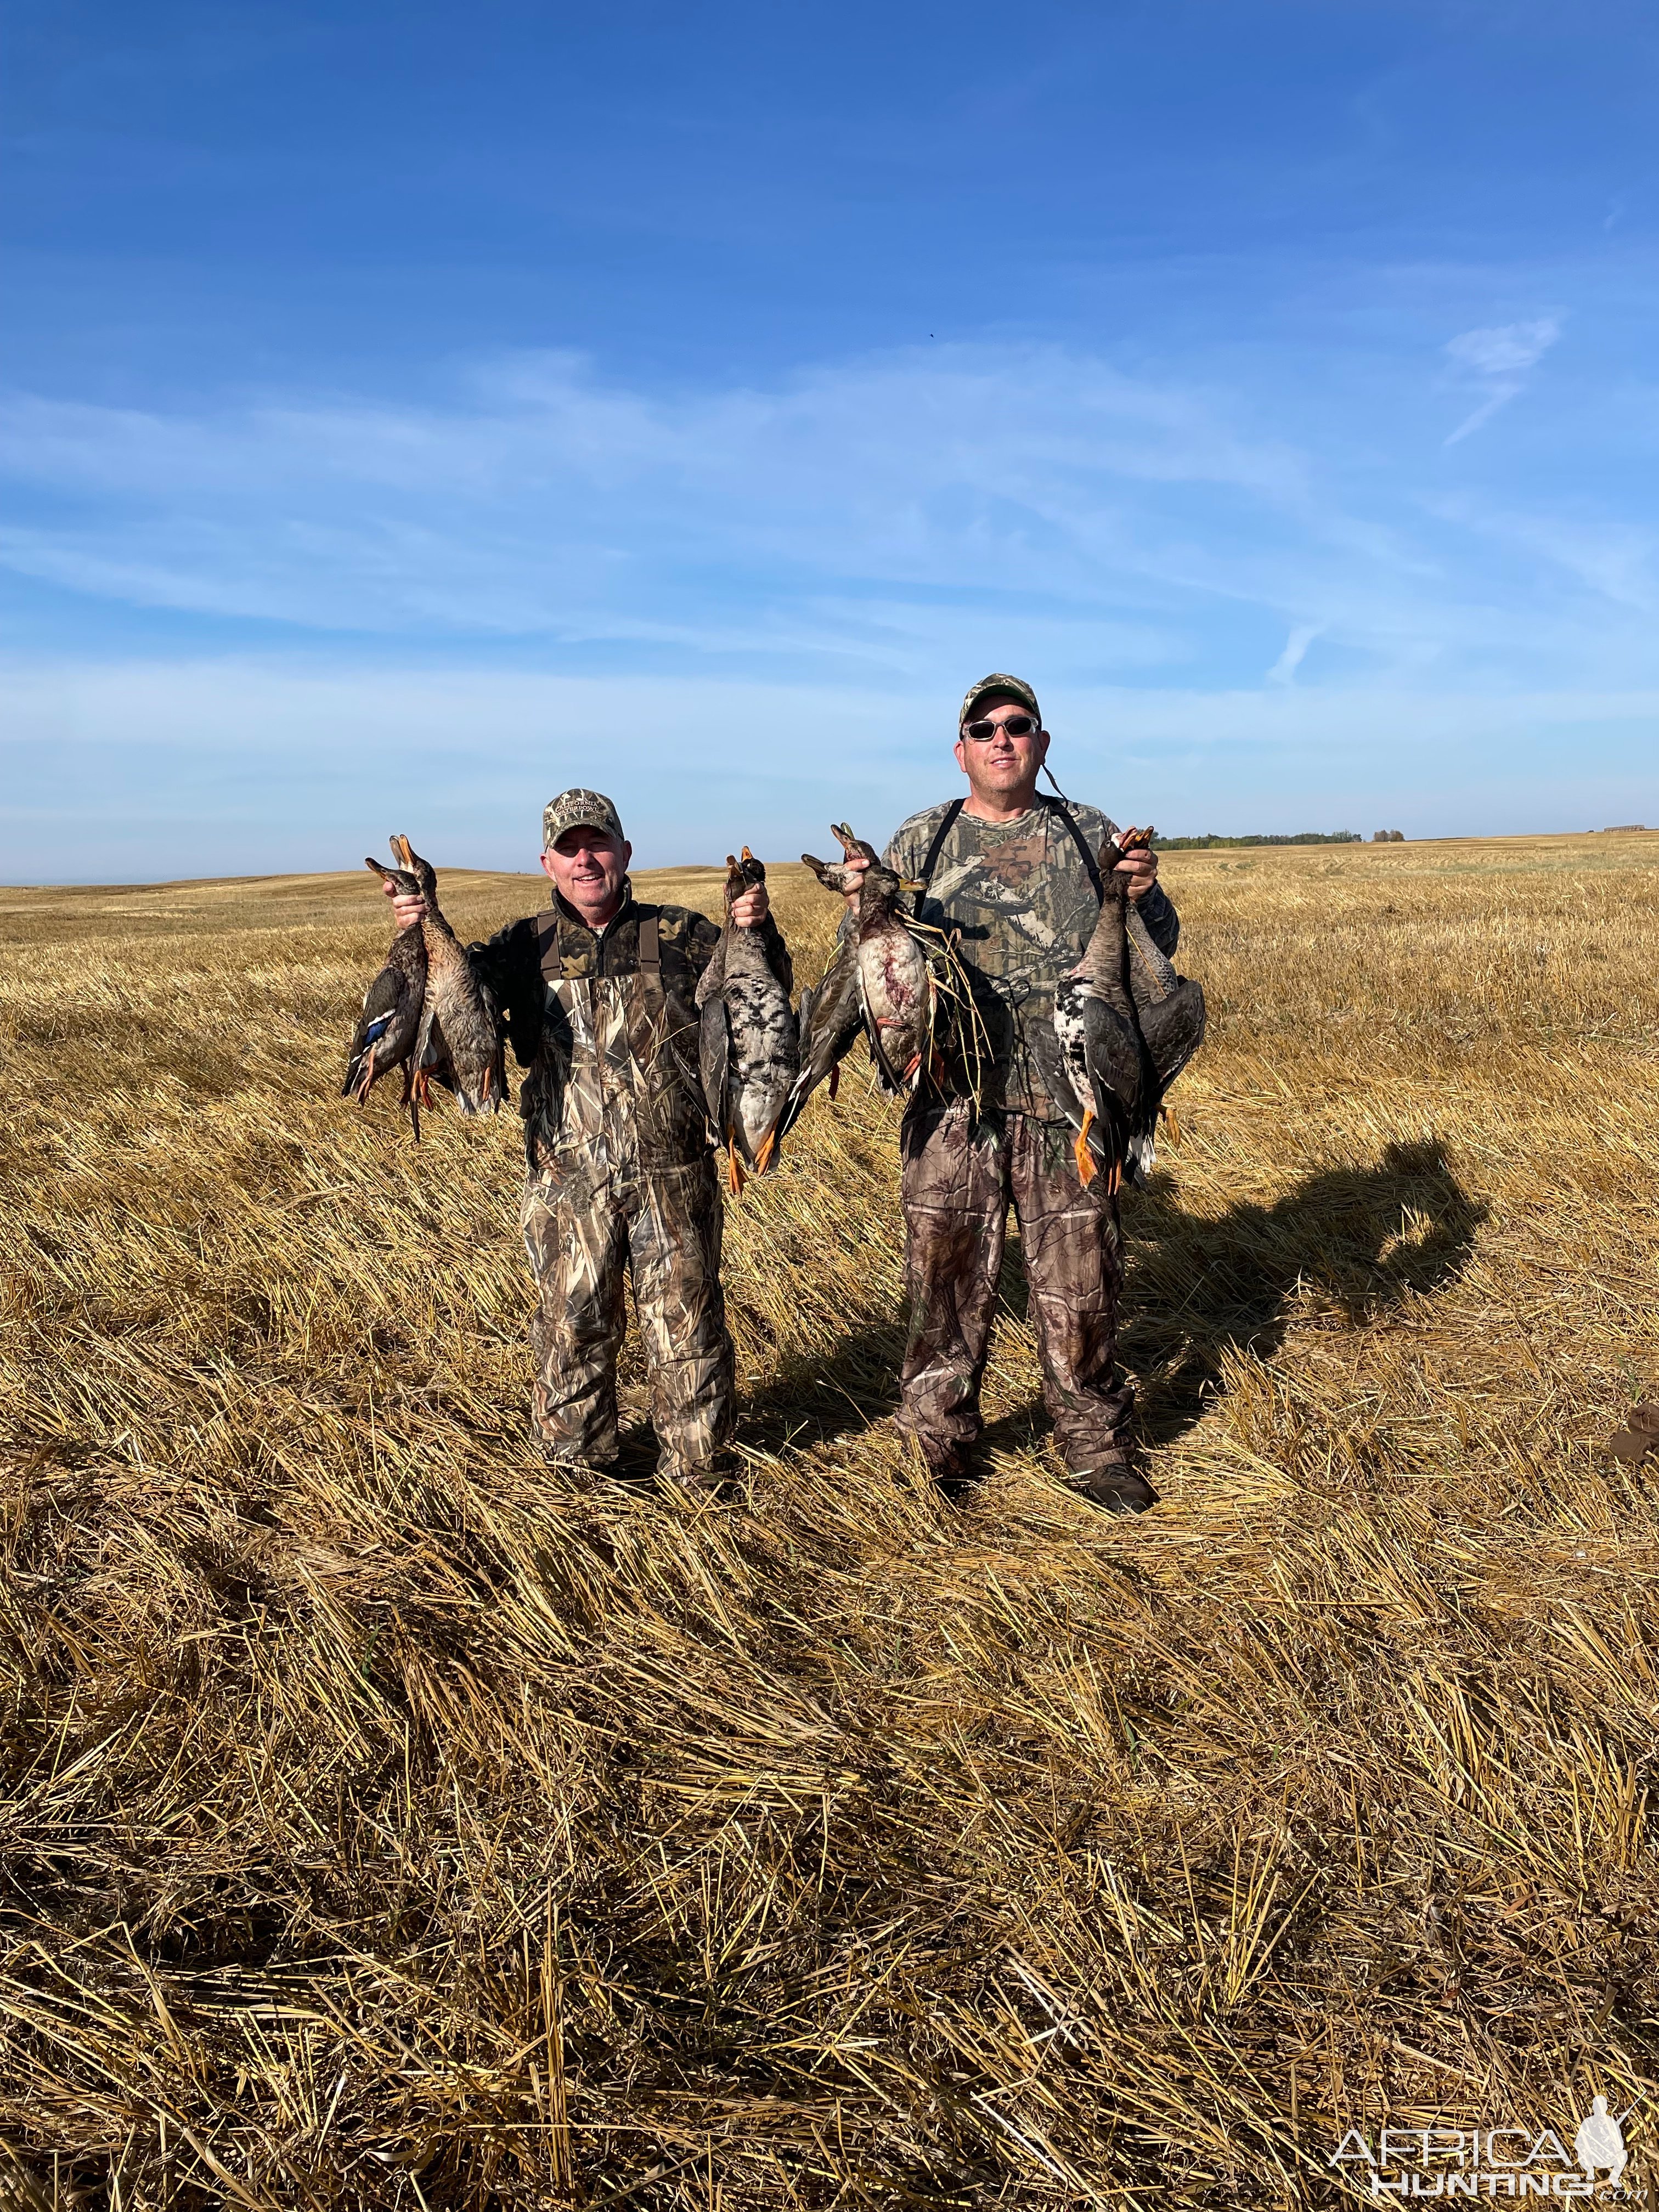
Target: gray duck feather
1125,1026
749,1037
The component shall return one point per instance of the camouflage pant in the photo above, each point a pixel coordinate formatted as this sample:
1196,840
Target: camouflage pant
958,1180
581,1231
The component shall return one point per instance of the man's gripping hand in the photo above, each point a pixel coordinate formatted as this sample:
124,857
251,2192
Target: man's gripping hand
408,906
752,909
1138,869
852,878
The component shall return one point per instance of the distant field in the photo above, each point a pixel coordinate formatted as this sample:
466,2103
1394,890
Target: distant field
387,1825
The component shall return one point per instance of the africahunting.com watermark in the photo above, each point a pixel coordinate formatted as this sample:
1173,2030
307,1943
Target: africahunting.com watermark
1478,2162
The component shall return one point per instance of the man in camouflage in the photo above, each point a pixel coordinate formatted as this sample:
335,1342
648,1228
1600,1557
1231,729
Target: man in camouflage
599,997
1016,875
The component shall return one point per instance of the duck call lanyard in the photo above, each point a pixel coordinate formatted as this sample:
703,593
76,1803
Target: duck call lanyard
1054,806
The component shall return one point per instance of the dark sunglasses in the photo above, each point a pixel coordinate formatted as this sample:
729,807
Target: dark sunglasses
1016,726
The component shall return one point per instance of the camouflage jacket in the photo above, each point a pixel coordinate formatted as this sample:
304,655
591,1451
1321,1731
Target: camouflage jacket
1019,897
606,1023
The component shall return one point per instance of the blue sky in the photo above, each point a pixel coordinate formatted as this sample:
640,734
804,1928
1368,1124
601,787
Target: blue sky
405,412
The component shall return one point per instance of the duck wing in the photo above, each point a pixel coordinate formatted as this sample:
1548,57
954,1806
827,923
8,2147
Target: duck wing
711,981
1169,1008
830,1019
715,1058
386,1026
1174,1030
464,1049
1093,1065
714,1036
1113,1055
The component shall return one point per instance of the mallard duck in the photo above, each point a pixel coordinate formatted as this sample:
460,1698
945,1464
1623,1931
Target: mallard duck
751,1043
391,1017
879,979
459,1041
1125,1026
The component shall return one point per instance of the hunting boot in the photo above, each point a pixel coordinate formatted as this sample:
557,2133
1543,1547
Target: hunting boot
939,1461
579,1473
699,1485
1113,1482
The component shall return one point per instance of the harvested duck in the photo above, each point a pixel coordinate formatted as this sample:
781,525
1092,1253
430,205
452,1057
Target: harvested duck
390,1021
459,1040
751,1045
880,979
1125,1026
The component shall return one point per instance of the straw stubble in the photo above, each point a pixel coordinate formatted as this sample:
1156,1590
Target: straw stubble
389,1824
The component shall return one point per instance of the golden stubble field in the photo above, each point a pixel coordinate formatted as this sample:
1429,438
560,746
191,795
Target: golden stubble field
386,1824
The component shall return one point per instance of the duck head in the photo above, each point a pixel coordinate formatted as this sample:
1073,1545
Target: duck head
878,883
400,879
426,880
743,874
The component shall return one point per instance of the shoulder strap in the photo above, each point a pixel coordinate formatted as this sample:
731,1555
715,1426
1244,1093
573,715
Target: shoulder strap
1092,866
937,845
547,942
650,951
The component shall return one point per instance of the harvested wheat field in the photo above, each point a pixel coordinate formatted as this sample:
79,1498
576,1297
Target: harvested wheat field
388,1823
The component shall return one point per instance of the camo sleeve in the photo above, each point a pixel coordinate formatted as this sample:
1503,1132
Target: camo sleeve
1157,909
1163,922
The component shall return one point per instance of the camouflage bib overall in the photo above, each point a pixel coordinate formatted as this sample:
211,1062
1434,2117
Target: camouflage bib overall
622,1180
1024,896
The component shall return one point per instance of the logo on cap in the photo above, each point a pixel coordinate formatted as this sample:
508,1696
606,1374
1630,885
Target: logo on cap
578,810
1010,687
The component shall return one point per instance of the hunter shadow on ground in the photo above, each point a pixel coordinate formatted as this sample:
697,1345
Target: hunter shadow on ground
1360,1239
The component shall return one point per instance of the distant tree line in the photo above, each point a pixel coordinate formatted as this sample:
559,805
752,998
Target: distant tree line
1301,837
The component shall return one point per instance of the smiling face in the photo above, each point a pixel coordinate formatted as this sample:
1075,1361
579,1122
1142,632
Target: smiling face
1002,769
587,867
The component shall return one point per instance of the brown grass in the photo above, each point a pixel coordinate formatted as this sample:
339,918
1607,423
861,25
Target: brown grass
387,1824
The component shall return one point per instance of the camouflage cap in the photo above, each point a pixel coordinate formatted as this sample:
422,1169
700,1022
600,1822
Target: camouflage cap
1010,686
578,810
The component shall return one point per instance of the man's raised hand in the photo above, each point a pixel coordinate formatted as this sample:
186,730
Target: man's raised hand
408,906
1139,866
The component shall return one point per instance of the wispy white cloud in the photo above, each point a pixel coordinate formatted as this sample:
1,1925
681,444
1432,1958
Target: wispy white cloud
761,601
1498,361
1295,649
545,503
867,519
